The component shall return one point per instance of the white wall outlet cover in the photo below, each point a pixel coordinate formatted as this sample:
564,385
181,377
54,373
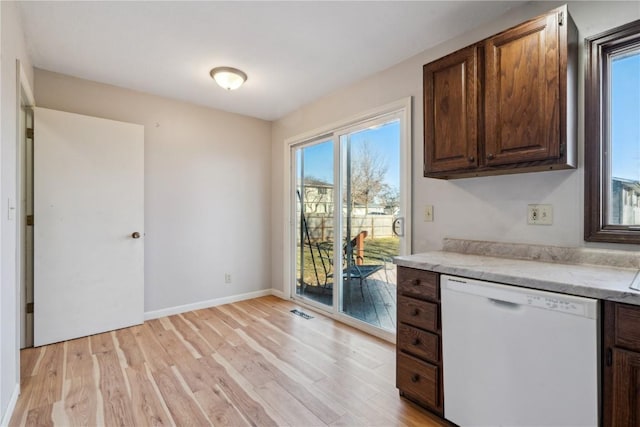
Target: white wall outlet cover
546,215
540,214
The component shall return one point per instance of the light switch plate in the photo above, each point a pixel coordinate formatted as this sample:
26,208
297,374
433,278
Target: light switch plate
540,214
428,213
11,209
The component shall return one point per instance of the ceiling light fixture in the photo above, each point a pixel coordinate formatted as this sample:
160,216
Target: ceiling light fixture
228,78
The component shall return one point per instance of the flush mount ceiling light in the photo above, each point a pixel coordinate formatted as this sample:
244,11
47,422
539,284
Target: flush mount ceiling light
228,78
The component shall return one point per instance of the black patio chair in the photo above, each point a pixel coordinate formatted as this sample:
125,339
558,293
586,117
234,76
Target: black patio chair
354,266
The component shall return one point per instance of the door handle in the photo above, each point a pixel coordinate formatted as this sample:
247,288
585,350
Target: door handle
398,226
135,235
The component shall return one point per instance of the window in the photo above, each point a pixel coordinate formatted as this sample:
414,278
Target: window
612,136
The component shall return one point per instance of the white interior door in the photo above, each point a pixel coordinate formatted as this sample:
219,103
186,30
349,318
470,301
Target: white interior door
88,203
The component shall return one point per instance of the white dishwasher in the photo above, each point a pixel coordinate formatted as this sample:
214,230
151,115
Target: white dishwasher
518,357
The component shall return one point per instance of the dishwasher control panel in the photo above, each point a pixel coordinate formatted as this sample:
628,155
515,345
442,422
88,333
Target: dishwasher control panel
515,296
553,303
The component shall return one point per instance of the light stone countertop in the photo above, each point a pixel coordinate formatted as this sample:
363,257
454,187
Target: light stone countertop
593,281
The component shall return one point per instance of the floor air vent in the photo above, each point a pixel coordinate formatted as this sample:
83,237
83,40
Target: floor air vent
302,314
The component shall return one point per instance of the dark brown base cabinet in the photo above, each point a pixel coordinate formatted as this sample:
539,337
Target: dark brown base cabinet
621,365
419,373
419,349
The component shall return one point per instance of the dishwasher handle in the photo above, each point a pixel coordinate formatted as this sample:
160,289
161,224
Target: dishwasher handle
506,304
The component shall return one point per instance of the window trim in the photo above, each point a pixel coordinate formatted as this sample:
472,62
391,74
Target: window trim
596,182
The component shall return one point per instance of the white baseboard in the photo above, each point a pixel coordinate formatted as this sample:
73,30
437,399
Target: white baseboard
12,405
277,293
205,304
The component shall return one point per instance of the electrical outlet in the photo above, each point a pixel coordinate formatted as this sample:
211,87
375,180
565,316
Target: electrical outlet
540,214
428,213
227,277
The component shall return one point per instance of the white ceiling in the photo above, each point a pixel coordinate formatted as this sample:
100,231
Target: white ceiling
293,52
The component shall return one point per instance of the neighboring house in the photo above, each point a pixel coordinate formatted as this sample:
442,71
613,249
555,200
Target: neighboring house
318,197
625,202
372,209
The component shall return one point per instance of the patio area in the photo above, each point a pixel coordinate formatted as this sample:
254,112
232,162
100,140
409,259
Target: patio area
374,304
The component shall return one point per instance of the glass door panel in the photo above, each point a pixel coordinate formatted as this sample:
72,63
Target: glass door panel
314,226
349,199
371,208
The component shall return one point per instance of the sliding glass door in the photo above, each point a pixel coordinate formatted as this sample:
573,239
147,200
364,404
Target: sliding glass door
314,225
371,209
349,206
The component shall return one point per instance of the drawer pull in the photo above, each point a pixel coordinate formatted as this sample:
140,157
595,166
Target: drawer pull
415,312
415,282
416,341
415,378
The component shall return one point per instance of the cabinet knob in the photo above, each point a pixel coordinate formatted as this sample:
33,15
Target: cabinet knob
490,156
415,282
416,341
471,159
415,378
415,312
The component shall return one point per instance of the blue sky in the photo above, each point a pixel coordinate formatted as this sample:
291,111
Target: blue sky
385,140
625,106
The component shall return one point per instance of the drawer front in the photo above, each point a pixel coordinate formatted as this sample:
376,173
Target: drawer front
421,314
627,321
419,343
418,380
418,283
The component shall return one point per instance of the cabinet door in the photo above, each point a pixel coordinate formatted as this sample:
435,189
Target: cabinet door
451,112
624,394
522,118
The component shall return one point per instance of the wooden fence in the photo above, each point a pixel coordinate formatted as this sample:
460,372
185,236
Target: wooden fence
376,226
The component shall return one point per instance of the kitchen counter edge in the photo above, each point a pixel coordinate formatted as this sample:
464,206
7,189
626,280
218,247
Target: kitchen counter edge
599,282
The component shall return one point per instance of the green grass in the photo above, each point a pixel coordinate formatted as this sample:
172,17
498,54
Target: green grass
375,252
386,246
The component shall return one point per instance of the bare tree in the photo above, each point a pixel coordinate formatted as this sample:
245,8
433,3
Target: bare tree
390,198
368,168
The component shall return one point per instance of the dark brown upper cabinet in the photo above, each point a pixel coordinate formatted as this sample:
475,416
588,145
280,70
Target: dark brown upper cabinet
522,114
451,109
506,104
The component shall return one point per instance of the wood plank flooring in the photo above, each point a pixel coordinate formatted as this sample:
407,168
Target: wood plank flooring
251,363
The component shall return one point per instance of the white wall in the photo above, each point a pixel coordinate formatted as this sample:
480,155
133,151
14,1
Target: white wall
207,189
486,208
12,47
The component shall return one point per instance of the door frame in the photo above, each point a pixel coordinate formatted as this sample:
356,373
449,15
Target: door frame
403,108
24,99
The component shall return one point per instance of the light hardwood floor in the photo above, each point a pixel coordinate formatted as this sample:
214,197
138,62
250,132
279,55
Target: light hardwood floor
248,363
